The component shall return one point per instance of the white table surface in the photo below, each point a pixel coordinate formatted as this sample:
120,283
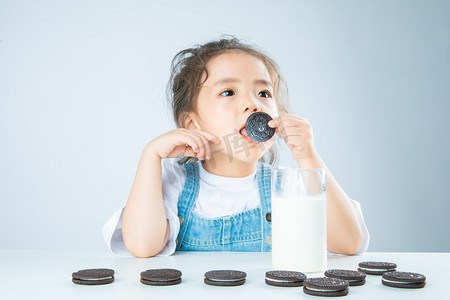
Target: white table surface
47,275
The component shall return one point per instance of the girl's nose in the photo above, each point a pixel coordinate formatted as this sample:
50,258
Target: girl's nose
250,104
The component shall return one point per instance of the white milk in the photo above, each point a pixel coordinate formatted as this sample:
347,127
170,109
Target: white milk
299,234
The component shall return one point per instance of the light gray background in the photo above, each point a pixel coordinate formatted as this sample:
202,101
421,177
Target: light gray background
82,91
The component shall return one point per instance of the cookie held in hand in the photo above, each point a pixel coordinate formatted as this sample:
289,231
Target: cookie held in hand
257,128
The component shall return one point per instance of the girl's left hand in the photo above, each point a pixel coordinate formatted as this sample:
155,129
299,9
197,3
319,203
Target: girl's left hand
297,133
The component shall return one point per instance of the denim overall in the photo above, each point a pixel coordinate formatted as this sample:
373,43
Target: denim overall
245,231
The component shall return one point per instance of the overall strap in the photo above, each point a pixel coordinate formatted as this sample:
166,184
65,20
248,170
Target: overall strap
187,198
264,174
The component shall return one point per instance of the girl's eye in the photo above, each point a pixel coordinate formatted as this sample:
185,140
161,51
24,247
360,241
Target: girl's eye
226,92
266,92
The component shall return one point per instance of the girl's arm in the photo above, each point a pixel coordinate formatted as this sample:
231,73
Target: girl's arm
344,235
145,228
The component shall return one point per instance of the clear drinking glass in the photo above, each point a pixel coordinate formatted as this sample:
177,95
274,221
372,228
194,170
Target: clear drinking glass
299,220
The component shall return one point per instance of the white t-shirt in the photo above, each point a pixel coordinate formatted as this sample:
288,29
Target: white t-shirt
218,196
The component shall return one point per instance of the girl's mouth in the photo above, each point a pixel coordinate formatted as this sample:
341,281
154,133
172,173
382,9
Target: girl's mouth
244,134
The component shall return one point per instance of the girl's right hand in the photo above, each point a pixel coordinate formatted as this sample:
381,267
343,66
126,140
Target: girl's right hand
184,142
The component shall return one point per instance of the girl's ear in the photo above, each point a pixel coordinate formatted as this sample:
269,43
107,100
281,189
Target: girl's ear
189,122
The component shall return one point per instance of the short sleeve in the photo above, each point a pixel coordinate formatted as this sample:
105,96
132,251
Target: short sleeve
362,224
365,231
172,180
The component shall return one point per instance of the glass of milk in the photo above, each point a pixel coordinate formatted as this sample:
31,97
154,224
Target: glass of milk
299,220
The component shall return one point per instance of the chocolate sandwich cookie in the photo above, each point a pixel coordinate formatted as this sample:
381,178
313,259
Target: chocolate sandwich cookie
376,267
354,278
93,276
325,287
257,128
285,278
225,277
405,280
161,277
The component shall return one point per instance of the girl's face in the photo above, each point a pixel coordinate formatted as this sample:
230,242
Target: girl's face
238,85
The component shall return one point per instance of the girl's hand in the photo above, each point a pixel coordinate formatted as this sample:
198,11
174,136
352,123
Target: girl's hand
183,142
297,133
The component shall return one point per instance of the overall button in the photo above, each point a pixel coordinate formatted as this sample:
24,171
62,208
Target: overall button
269,240
269,217
181,220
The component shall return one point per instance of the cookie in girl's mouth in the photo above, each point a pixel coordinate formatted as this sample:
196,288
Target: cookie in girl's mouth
256,129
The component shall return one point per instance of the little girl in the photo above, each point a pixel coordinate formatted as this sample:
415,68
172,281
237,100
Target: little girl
206,185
